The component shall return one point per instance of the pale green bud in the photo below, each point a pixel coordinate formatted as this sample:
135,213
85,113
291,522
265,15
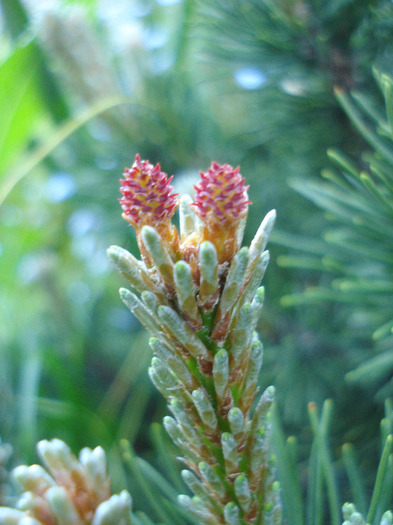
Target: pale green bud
356,519
257,304
236,422
163,380
208,266
195,485
127,265
233,281
232,514
135,305
242,491
31,502
221,372
150,300
387,518
259,242
181,331
241,334
167,383
197,507
262,408
348,509
212,479
186,425
188,221
240,230
158,253
185,290
258,455
172,428
133,270
255,277
277,513
176,434
205,410
173,361
252,371
231,455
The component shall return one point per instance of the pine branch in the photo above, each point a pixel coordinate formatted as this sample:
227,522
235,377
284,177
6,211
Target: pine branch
358,254
198,294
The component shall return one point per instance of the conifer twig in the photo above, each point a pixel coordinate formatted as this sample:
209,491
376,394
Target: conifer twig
198,293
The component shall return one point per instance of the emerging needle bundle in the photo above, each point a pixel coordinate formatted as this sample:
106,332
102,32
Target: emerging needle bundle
198,293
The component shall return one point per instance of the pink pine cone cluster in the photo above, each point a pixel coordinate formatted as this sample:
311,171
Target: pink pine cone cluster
221,196
147,194
220,203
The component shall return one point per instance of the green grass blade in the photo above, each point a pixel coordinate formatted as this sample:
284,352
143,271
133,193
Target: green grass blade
374,367
58,135
131,464
355,478
143,519
343,162
387,85
356,118
320,430
314,506
287,472
373,188
380,479
160,441
157,490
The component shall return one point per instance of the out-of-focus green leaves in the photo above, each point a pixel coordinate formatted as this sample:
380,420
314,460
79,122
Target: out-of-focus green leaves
16,17
22,108
358,252
154,490
58,135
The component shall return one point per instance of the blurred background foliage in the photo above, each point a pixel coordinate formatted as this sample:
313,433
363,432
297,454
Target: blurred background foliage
84,85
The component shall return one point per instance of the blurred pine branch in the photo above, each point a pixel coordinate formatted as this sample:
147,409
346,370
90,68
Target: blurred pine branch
252,83
358,197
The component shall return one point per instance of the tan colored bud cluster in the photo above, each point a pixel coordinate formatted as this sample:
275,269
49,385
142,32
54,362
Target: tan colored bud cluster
69,491
221,202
